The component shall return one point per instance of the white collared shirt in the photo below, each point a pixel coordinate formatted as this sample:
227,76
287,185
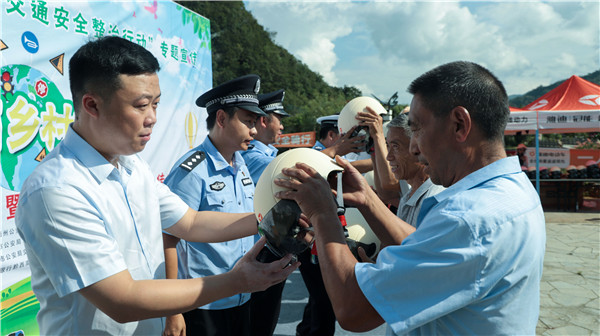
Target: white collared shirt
81,222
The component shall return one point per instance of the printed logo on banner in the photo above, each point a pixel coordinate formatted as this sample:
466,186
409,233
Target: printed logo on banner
35,117
35,110
30,42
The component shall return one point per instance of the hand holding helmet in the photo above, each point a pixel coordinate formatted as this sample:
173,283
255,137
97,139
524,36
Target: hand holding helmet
254,276
307,188
280,220
372,120
347,119
350,143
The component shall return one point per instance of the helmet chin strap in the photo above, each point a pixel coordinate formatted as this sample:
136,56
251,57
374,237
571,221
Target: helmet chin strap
341,210
364,130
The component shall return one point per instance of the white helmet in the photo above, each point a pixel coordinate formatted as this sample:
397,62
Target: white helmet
264,198
360,232
278,219
347,116
370,177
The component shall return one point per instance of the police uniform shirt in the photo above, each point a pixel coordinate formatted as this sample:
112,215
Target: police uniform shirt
318,146
205,181
258,158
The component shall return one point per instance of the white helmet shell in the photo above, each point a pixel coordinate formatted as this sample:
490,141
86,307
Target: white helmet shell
360,231
370,177
264,198
347,118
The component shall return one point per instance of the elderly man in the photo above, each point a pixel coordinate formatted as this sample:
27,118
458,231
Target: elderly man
474,263
403,165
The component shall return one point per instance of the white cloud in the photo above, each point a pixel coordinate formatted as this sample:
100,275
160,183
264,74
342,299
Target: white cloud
379,47
307,30
321,57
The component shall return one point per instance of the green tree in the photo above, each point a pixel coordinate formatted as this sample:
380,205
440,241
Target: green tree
241,46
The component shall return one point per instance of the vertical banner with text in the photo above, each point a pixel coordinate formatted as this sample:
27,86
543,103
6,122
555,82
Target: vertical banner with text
37,40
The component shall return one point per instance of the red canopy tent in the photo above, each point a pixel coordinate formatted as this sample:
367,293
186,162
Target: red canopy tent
571,107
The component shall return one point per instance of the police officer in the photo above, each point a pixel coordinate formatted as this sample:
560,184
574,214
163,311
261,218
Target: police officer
214,176
328,132
332,143
266,305
261,150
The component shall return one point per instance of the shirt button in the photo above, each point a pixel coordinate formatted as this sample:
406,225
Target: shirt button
239,203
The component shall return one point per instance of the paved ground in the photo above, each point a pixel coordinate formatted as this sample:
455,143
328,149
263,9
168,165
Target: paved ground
569,290
571,281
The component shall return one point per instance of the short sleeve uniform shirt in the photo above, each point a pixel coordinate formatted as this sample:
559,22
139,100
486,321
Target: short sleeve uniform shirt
318,146
211,183
258,158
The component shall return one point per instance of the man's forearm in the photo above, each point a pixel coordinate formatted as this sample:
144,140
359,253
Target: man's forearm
363,166
126,300
352,309
387,181
390,229
210,226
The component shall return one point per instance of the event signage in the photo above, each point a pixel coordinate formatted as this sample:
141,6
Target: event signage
549,157
302,139
554,120
37,40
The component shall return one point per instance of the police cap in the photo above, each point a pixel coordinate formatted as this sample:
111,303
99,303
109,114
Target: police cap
272,102
240,92
330,119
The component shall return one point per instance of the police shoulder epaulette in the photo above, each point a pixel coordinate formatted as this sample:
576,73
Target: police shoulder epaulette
193,160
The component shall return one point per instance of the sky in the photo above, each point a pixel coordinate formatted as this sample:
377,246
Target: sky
379,47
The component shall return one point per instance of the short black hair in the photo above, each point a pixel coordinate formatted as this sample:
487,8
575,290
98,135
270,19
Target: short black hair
325,128
212,117
96,66
468,85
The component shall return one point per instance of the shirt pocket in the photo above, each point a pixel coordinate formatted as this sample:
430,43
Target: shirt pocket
219,201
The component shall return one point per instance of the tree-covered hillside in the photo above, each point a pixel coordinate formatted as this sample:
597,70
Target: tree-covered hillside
241,46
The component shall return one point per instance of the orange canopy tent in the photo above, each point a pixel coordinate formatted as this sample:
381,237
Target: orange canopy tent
571,107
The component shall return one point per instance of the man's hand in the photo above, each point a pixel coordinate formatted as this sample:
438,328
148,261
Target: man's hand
312,192
174,326
345,144
256,276
373,120
356,189
308,188
363,256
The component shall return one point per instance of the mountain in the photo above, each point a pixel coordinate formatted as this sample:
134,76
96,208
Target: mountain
241,46
523,100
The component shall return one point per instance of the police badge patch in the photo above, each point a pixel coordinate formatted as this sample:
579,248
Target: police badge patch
217,186
257,86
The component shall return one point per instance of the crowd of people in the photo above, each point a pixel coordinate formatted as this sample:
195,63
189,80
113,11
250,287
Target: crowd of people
114,251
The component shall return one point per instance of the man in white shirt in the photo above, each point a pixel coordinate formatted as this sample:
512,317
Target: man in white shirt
91,213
